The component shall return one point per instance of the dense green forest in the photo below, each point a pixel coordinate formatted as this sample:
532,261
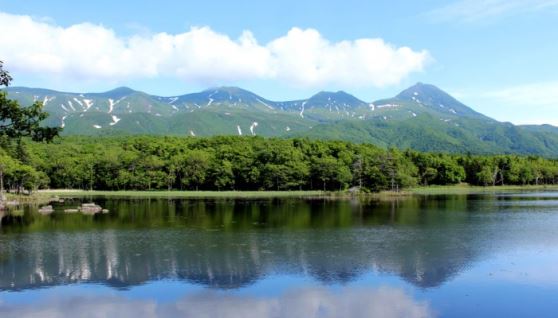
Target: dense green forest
250,163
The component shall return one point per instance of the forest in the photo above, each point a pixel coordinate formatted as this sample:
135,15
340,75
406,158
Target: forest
249,163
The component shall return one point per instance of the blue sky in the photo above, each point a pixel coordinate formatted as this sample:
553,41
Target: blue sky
497,56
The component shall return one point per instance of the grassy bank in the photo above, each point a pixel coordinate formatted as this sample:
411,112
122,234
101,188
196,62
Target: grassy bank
188,194
35,198
45,196
468,189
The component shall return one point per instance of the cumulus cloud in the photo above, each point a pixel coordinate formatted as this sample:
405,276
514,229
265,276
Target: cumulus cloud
303,303
301,57
474,10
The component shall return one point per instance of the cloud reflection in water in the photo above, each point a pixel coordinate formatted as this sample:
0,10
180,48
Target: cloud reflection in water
386,302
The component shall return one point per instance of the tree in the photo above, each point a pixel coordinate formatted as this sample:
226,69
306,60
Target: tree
331,173
5,77
17,121
223,175
194,168
486,175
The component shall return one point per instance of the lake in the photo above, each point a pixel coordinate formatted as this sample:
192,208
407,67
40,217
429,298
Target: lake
475,255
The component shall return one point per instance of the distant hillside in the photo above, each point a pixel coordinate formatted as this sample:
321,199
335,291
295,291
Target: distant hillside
422,117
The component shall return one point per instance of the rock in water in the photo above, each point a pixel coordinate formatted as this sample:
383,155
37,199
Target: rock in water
90,208
47,209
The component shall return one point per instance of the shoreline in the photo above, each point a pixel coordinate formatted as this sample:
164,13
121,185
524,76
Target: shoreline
45,196
424,190
183,194
469,189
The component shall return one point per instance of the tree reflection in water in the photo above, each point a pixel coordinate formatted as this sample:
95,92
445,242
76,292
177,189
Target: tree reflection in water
227,244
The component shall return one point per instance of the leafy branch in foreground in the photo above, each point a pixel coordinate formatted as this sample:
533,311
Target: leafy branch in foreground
17,122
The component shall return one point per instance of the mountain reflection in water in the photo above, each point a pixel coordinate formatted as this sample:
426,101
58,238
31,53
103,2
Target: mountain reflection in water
228,244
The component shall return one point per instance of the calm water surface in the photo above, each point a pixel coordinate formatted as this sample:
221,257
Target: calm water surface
492,255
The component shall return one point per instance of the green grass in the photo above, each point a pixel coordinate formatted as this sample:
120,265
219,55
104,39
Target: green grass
35,198
188,194
468,189
426,190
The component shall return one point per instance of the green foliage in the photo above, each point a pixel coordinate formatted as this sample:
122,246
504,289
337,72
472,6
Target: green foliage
17,121
251,164
5,77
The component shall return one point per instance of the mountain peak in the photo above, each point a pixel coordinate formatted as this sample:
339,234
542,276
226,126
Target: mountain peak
228,89
333,94
424,90
433,97
339,97
119,92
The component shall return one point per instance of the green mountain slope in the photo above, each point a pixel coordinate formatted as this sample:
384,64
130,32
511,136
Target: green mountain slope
422,117
428,133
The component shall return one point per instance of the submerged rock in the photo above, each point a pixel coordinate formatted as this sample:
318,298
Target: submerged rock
90,208
47,209
87,208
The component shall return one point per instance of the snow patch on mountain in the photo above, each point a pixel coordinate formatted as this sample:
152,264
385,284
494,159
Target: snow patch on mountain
253,127
115,120
47,99
88,104
111,105
239,130
265,104
79,102
302,109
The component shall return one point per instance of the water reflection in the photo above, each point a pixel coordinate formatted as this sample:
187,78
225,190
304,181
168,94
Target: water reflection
308,302
228,244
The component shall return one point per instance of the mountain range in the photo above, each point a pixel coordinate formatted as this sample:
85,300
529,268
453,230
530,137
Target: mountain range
422,117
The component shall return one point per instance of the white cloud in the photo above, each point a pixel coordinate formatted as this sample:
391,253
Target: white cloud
309,302
530,103
301,57
533,95
305,57
475,10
